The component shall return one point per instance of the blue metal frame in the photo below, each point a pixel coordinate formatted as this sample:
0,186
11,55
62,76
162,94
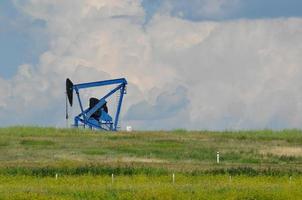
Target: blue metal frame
85,116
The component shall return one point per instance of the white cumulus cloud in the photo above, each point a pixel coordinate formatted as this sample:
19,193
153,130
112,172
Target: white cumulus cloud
182,74
201,9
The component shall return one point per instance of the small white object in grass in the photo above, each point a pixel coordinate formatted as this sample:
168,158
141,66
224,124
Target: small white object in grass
129,129
56,176
218,157
112,178
173,177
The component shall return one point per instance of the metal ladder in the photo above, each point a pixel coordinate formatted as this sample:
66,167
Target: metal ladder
118,126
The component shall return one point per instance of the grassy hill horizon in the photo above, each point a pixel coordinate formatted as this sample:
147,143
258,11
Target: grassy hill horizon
179,150
253,164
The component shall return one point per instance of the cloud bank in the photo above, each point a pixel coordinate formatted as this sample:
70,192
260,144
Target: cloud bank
239,74
201,9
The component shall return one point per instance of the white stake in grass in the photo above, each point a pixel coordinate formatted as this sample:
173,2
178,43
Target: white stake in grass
173,178
112,178
56,176
218,157
129,128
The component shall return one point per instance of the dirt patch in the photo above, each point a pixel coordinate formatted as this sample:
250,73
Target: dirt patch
134,159
283,151
144,160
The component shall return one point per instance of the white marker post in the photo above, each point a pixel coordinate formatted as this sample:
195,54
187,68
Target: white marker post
129,128
218,157
173,178
112,178
56,176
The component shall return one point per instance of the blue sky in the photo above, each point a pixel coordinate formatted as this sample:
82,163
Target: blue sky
249,9
19,43
19,39
206,64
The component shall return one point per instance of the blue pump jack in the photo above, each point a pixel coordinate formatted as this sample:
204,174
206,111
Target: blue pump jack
96,116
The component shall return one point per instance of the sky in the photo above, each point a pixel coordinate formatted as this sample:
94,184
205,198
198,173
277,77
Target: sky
198,64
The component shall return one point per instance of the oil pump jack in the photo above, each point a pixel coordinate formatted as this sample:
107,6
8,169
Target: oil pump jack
97,115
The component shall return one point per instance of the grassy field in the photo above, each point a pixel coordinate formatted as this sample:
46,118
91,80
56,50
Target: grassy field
253,164
150,187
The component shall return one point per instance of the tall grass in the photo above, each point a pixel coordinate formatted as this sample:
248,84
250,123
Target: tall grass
179,150
254,164
150,187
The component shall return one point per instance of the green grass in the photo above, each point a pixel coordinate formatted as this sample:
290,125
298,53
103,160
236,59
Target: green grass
260,163
36,142
150,187
178,150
